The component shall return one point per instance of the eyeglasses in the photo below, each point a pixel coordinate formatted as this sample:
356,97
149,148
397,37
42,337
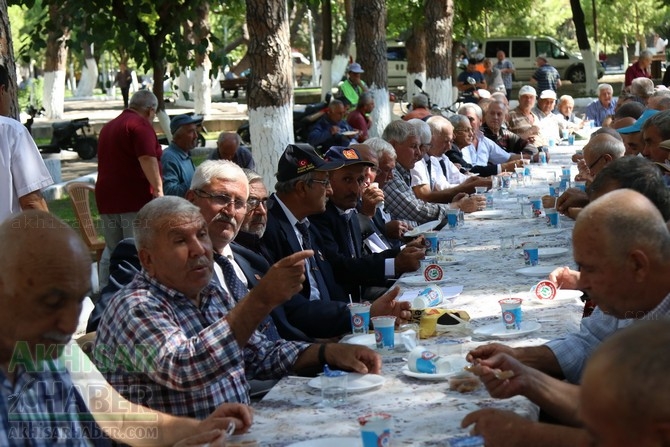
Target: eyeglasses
222,200
463,130
325,183
254,203
595,162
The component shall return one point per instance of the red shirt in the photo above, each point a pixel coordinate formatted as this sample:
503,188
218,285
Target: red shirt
634,71
357,120
122,186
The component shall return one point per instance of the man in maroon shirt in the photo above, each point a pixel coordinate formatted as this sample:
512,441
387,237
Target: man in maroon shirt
128,171
640,69
359,119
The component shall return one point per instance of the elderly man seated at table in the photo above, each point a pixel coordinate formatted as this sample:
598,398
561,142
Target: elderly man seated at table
624,260
44,276
486,158
567,117
599,152
401,202
602,107
492,128
435,178
181,340
331,129
319,309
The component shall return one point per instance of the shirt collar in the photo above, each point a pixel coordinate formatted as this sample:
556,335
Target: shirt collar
289,215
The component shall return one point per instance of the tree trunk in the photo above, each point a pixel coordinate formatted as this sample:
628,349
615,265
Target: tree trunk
55,65
585,48
202,86
371,48
7,56
89,73
184,81
270,95
416,59
341,57
439,20
327,56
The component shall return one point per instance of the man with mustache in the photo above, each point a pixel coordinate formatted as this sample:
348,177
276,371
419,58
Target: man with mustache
184,342
45,274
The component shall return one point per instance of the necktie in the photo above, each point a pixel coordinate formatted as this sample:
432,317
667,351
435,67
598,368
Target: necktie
313,268
350,242
443,165
238,290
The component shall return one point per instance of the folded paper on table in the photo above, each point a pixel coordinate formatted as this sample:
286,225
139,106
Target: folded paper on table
448,292
375,244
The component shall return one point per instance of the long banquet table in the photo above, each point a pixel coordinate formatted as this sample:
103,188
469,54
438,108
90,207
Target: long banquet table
427,413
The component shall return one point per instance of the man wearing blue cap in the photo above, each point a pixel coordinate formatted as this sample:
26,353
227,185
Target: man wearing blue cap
353,87
341,232
178,168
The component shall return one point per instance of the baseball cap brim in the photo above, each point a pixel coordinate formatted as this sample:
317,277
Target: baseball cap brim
637,126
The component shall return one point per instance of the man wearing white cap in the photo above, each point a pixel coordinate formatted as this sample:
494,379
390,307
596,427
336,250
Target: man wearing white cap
353,86
549,123
522,120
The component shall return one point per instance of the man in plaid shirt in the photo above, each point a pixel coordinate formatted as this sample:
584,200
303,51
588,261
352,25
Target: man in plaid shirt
177,343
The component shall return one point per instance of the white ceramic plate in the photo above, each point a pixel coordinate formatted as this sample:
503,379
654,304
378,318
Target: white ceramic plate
491,214
450,260
349,133
543,232
537,270
498,330
329,442
458,364
420,280
355,382
369,341
422,228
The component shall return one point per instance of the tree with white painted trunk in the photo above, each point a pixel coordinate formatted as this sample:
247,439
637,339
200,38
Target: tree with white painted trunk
416,59
327,54
341,57
55,64
89,73
270,95
371,52
439,20
202,86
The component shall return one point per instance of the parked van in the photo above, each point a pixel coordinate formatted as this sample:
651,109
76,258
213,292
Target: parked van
523,50
396,57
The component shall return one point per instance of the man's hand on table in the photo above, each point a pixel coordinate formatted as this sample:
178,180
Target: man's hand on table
387,305
495,372
419,242
409,259
470,204
499,428
212,438
239,414
564,277
572,197
396,229
485,351
354,358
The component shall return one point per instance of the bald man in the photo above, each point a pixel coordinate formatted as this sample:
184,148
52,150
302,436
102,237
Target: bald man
44,276
624,400
228,147
622,246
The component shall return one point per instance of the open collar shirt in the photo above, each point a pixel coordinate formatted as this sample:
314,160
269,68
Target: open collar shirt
157,348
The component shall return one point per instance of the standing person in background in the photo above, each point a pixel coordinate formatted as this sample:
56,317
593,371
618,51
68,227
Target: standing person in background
640,69
128,171
123,80
493,77
546,76
506,68
23,173
660,44
353,87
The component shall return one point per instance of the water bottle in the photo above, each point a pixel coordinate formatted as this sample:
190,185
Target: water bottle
571,139
543,158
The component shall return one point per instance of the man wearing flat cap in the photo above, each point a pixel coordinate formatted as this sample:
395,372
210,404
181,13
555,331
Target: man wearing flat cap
353,87
178,168
302,183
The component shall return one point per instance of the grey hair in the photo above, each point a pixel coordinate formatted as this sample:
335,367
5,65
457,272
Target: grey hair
335,102
606,144
566,98
502,105
646,54
288,186
224,135
602,87
252,176
423,129
455,120
462,110
217,169
143,99
146,225
381,147
642,87
420,100
365,99
662,122
438,124
399,131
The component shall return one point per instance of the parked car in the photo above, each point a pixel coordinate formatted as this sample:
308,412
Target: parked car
523,50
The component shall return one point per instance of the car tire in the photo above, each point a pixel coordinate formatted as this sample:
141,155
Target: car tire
577,75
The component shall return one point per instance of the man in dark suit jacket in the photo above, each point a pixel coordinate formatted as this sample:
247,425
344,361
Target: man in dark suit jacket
341,233
320,311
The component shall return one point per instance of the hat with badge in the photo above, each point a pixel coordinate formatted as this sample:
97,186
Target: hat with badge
300,159
347,155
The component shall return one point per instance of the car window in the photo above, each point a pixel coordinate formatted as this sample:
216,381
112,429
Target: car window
396,54
520,48
492,48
